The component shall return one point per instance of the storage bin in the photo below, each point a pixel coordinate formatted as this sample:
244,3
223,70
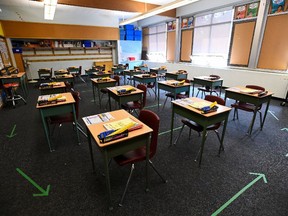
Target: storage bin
129,32
131,27
138,33
129,37
137,38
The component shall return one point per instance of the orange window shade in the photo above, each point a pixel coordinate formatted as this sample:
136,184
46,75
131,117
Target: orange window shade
171,37
186,45
274,53
241,43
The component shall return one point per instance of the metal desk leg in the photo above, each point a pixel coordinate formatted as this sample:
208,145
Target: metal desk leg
93,88
265,114
98,90
46,131
223,134
172,125
75,120
109,99
158,97
107,177
147,164
90,148
204,135
252,122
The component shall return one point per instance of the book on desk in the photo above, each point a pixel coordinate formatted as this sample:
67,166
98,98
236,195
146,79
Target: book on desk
50,99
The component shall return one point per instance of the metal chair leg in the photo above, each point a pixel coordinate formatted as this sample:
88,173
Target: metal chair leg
154,168
180,134
126,187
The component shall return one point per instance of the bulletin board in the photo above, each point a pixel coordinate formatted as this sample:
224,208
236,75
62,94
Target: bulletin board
5,59
186,45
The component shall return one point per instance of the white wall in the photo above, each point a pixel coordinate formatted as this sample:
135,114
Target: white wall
272,81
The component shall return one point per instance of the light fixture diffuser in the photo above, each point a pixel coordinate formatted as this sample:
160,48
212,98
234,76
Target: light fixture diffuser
49,9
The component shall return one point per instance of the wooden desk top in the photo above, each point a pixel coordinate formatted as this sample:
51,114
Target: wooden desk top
185,103
96,80
64,76
170,83
102,73
69,100
18,75
207,78
96,129
176,72
247,91
141,76
114,90
59,85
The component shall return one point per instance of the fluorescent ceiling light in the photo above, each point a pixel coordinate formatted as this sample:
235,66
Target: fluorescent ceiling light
158,10
49,9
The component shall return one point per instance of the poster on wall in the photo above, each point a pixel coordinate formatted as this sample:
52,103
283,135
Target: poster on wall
187,22
171,25
277,6
240,12
252,10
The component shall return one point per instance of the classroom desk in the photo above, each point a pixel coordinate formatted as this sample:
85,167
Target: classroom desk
141,67
206,81
135,139
60,72
125,98
55,89
65,78
100,84
238,94
182,108
131,73
139,78
101,74
118,70
174,89
176,75
158,71
57,109
16,78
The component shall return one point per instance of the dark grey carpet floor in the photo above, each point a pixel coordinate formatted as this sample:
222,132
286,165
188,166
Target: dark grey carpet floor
190,190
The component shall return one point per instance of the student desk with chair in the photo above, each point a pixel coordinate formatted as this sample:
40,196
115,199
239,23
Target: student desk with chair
16,78
131,73
184,108
146,78
243,94
65,78
55,109
134,95
207,81
52,88
173,87
100,84
176,75
134,140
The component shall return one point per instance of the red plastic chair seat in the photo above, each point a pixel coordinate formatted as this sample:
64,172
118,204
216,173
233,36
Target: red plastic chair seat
244,106
10,85
197,127
131,157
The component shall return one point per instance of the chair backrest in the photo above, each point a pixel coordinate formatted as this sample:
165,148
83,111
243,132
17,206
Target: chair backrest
144,89
117,78
45,71
152,120
256,87
214,98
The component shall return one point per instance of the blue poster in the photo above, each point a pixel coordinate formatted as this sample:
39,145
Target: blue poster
277,6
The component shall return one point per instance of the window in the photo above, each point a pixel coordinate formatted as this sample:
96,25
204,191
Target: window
157,43
212,38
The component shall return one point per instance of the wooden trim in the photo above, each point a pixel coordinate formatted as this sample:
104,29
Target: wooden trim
80,54
14,29
120,5
186,45
74,59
